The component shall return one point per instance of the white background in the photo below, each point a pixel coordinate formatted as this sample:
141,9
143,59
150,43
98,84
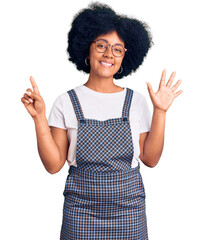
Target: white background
33,42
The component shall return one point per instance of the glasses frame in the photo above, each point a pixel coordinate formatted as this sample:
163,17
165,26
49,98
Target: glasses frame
109,45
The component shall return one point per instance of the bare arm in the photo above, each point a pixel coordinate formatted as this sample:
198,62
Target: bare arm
52,145
151,144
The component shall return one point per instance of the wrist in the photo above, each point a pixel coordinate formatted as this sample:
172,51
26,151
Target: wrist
160,111
39,118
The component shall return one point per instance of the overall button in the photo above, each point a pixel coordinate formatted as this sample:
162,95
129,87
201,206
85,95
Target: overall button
125,119
82,121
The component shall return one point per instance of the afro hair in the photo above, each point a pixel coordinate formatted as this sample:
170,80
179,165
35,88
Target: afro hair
98,19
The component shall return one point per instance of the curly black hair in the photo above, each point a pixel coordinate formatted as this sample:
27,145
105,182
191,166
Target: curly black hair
98,19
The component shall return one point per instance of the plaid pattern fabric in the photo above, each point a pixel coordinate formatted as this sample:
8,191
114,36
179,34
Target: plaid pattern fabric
104,196
104,146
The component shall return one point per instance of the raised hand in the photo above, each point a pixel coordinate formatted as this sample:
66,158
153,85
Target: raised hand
32,100
166,94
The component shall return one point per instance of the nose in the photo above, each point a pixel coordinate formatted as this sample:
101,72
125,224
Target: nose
108,53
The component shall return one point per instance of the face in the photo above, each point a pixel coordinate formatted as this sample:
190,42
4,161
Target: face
105,64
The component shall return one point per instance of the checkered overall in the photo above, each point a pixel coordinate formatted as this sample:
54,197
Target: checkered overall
104,196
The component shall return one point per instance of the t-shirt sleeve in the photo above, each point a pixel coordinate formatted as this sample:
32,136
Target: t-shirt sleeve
145,120
56,116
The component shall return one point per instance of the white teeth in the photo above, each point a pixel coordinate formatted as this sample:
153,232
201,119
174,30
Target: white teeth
108,64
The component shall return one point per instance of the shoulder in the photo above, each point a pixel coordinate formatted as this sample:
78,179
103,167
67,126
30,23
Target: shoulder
65,100
61,98
62,101
65,96
140,111
138,100
138,95
63,109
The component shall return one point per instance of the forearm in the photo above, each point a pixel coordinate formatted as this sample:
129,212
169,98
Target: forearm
47,148
154,143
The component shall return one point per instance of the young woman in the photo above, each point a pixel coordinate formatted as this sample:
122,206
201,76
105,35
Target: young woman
102,129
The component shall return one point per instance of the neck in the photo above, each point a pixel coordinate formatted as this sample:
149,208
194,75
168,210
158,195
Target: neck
99,84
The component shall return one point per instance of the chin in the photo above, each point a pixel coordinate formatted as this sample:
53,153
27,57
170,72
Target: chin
105,74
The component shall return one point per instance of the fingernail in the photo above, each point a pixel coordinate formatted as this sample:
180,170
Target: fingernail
29,93
30,100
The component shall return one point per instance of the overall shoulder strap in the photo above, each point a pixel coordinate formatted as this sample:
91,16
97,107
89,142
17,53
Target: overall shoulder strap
76,104
127,103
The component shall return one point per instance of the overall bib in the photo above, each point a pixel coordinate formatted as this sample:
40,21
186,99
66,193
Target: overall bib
104,198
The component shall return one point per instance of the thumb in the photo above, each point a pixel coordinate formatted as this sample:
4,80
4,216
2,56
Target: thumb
150,90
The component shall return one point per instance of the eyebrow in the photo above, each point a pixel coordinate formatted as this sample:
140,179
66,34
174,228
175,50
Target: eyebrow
108,42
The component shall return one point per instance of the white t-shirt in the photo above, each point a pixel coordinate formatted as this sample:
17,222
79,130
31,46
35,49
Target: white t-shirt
99,106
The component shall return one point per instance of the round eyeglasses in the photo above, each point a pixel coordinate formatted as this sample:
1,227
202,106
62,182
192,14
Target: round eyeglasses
117,49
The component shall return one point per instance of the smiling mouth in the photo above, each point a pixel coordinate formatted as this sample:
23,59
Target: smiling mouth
106,64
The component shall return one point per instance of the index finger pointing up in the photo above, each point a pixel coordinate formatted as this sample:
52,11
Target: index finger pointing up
34,85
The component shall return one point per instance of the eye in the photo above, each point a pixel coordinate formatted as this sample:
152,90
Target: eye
118,50
101,45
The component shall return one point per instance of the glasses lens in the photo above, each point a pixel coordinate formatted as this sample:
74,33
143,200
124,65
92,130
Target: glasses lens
118,50
101,46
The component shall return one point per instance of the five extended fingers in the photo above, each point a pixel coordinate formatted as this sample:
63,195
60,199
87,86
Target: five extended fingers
30,95
173,89
176,85
169,83
171,79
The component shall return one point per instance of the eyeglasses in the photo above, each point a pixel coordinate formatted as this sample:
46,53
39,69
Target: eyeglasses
117,49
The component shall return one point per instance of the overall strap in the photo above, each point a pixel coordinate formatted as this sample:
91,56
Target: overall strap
76,104
127,103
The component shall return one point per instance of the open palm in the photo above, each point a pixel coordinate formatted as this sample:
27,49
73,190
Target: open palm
165,95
